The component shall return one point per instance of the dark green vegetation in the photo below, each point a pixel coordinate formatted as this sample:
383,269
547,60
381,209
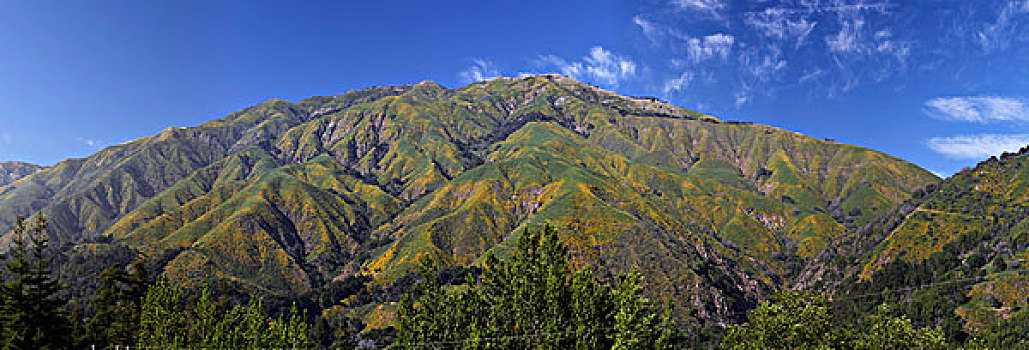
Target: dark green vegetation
799,321
168,320
334,202
533,300
956,256
31,314
128,310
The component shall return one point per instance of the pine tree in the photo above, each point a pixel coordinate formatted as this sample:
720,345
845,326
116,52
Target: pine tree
794,320
117,305
171,320
32,315
532,300
635,322
162,321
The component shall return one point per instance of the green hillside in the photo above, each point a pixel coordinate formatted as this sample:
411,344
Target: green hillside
12,171
283,198
969,234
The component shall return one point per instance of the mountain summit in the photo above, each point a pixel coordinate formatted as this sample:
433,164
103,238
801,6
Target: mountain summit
284,197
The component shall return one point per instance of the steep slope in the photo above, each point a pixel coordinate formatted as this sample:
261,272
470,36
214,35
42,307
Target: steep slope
83,197
284,197
12,171
681,189
971,234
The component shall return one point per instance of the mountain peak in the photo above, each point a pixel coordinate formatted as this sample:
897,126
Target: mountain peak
378,179
429,83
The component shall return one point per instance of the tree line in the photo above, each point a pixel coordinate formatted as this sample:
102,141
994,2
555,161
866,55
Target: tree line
130,311
533,298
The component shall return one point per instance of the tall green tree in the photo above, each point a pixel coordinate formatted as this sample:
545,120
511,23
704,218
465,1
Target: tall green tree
799,320
33,316
531,300
169,319
884,331
794,320
162,320
117,306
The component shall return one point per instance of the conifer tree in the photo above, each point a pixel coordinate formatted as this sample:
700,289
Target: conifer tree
117,305
32,315
635,323
162,321
170,320
797,320
533,300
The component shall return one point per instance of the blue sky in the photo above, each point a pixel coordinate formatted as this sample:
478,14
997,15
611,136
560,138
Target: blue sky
943,84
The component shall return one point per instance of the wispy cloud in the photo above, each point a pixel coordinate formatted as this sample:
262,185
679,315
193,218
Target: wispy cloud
978,146
480,70
6,138
710,46
705,7
778,24
811,75
90,142
848,39
761,66
978,109
1007,28
678,83
650,29
601,65
773,45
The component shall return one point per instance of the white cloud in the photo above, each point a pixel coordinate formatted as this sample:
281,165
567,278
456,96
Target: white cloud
600,65
978,146
848,39
1005,29
812,75
768,46
775,23
90,142
979,109
678,83
742,97
650,29
480,70
762,66
711,46
706,7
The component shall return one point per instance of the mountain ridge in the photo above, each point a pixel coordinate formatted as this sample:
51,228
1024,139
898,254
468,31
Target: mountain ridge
11,171
284,197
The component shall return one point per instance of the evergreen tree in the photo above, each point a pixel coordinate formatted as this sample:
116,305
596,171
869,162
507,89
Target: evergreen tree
532,300
117,305
635,324
884,331
32,316
794,320
797,320
162,320
171,320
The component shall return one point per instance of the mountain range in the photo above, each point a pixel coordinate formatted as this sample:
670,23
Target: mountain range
284,198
